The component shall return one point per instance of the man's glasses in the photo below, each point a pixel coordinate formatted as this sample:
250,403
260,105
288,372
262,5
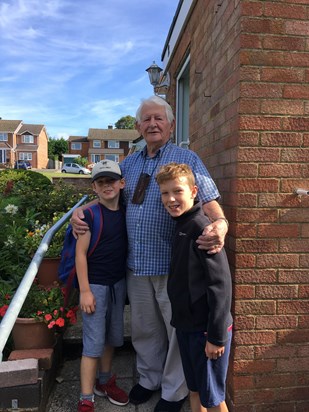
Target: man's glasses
140,189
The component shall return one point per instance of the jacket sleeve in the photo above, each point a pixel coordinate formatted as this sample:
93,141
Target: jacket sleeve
219,296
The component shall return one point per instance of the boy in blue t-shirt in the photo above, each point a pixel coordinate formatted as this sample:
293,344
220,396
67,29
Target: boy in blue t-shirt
200,290
102,288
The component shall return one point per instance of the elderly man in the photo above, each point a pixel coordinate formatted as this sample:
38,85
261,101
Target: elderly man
150,232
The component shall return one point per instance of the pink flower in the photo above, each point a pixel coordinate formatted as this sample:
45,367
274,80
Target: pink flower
48,317
51,324
60,322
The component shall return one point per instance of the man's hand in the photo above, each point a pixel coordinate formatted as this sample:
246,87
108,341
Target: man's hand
213,351
212,238
79,226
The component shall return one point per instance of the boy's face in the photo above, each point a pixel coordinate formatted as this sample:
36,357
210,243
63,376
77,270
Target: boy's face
107,188
177,195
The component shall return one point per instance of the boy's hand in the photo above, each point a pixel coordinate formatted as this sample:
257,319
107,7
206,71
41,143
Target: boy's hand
212,238
87,302
213,351
79,226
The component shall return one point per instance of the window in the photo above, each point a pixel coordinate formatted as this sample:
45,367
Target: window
25,156
3,155
27,138
113,157
3,137
113,144
97,143
76,146
183,95
95,158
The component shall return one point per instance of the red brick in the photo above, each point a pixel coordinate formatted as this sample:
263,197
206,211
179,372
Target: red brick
293,276
244,292
287,107
262,90
255,275
257,185
244,352
44,356
280,170
277,10
273,58
255,307
303,291
293,307
267,200
242,200
256,245
245,261
254,25
250,73
296,91
275,352
18,372
249,106
290,365
249,138
281,139
257,215
294,215
303,322
284,43
282,75
276,292
278,230
296,123
299,28
243,382
243,322
294,245
256,367
279,261
247,170
247,8
249,154
276,322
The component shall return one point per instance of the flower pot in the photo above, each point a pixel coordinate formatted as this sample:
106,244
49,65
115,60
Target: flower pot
29,333
48,271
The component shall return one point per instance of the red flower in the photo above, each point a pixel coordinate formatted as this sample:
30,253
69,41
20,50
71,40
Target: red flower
60,322
51,324
3,310
48,317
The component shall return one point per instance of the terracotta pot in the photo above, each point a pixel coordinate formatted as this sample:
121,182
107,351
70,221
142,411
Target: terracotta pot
48,271
28,333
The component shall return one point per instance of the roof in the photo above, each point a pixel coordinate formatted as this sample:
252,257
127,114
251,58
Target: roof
9,126
34,129
113,134
77,139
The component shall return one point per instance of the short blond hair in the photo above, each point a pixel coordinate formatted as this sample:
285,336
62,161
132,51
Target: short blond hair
173,171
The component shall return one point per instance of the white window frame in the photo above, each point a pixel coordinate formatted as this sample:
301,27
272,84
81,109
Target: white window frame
27,138
113,157
97,144
113,144
95,158
24,156
76,146
183,106
3,137
3,155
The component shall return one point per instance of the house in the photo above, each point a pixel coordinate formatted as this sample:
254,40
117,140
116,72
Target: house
20,141
113,144
239,87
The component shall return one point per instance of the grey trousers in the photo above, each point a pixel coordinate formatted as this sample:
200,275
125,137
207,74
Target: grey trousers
154,339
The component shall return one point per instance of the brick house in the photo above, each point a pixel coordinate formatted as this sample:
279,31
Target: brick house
19,141
113,144
239,72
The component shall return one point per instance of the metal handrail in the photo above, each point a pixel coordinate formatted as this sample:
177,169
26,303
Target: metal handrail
21,293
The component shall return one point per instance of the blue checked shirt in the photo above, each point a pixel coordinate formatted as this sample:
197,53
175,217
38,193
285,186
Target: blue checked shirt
150,227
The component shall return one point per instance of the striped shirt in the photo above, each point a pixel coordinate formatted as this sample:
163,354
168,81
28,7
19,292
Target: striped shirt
149,226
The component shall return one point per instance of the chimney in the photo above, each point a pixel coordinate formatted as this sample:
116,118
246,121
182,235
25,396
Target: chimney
110,126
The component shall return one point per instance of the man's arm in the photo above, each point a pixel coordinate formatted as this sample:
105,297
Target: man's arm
212,238
79,225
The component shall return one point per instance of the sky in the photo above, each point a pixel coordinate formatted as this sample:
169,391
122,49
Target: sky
78,64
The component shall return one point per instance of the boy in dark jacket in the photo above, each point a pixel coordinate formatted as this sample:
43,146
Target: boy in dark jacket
200,291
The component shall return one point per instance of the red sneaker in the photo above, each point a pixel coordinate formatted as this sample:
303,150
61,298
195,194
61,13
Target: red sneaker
85,406
114,394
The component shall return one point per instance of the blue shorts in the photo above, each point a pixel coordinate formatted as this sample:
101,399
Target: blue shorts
105,325
203,375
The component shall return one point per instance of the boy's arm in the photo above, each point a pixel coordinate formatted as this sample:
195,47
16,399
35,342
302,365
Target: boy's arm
86,298
219,298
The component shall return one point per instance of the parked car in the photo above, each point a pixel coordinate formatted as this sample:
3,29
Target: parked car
22,164
75,168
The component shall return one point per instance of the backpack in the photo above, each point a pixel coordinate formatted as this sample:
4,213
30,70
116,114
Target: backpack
67,268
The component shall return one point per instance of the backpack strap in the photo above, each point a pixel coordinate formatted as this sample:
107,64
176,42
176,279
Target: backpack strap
97,226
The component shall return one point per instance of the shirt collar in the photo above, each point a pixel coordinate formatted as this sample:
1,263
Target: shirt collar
159,152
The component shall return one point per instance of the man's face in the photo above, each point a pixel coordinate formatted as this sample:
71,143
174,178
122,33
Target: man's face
154,126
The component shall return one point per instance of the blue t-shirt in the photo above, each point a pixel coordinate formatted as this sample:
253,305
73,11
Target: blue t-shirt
107,264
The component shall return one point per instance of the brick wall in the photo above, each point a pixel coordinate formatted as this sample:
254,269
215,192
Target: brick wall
252,59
